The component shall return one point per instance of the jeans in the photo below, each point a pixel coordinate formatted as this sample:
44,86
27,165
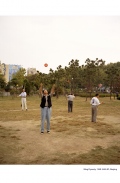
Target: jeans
45,115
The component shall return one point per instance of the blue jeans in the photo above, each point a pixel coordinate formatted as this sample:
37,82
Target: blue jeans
45,115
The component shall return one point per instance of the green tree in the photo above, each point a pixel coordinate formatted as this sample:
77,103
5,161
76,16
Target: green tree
92,74
113,77
2,82
19,77
73,75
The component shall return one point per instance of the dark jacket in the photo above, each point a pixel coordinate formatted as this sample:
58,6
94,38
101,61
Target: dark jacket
43,101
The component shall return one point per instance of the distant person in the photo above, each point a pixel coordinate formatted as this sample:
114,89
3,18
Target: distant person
95,103
70,98
46,107
23,96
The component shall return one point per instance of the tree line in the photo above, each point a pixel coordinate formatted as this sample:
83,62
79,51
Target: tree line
93,76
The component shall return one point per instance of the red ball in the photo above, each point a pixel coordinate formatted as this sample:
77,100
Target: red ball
45,64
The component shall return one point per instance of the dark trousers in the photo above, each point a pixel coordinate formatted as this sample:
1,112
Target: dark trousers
70,106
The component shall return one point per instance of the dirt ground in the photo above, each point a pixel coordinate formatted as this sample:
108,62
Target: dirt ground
22,142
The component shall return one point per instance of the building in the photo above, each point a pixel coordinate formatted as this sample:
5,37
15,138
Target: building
2,68
12,69
31,71
8,70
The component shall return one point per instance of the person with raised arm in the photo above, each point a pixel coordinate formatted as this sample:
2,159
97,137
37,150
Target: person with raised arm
46,107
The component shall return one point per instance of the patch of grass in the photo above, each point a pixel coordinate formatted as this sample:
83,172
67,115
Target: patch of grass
17,130
99,155
3,136
8,146
78,126
14,137
96,156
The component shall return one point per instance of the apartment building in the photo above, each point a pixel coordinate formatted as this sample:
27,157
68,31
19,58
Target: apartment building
8,70
12,69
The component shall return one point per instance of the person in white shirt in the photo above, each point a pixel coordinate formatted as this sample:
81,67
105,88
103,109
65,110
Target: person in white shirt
95,103
23,96
70,98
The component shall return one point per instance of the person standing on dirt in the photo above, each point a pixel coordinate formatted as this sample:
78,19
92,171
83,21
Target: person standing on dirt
70,98
46,107
95,103
23,96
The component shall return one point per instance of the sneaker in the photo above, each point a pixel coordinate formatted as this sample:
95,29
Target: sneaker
42,132
48,131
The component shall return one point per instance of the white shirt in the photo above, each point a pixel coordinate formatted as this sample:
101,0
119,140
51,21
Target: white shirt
23,94
95,101
70,97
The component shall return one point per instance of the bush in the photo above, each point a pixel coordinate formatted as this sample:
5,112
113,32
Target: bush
93,94
118,98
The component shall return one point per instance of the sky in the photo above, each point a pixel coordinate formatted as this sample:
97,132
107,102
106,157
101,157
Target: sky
31,40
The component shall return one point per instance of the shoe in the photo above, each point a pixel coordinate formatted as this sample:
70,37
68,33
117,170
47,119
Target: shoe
42,132
48,131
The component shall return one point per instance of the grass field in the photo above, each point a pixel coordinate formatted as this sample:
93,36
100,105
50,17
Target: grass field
73,138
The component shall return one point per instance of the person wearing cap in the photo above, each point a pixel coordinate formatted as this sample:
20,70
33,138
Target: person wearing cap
23,96
46,107
95,103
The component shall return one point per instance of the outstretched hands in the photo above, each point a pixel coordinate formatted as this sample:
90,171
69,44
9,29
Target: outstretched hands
53,89
41,87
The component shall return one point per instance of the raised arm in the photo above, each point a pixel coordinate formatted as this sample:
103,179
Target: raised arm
41,89
52,89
